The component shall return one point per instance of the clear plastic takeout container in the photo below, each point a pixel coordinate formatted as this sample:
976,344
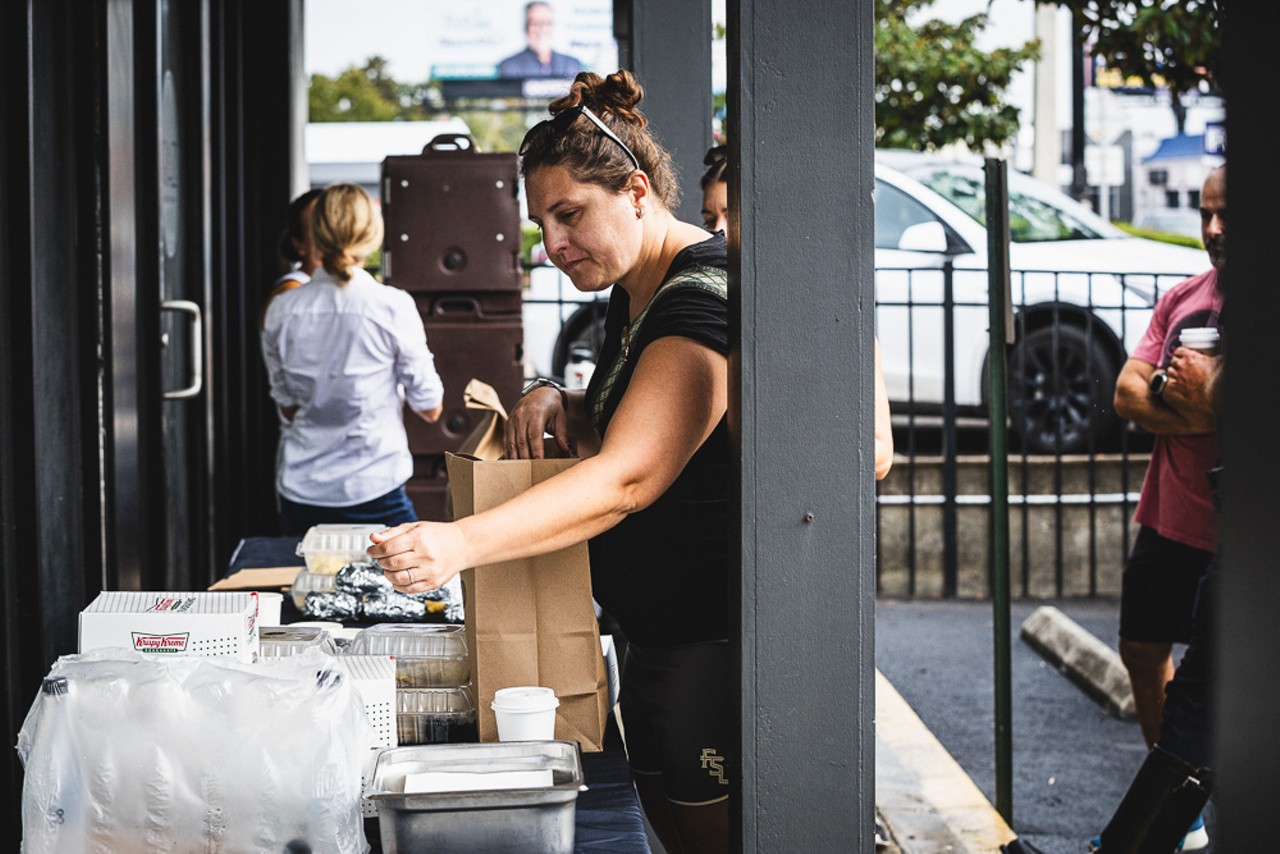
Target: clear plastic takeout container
310,582
284,641
328,548
435,715
427,656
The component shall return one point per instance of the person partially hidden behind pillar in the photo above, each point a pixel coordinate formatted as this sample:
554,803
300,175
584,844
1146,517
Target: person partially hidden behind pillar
1178,525
715,218
1161,809
297,249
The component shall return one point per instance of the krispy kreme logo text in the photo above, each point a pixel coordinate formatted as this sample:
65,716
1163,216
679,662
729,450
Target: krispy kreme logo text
171,603
176,642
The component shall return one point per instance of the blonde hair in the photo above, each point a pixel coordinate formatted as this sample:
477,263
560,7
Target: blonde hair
346,227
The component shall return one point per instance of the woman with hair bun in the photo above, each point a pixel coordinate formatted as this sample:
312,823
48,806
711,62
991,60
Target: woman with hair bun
345,354
650,494
296,248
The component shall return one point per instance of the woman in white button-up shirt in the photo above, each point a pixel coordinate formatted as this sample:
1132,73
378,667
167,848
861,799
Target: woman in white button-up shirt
344,354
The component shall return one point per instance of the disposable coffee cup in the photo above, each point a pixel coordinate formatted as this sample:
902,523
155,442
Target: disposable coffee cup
269,608
525,713
1206,339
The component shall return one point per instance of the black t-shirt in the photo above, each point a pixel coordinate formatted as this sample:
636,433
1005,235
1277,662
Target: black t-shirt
663,572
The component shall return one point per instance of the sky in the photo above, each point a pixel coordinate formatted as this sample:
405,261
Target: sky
335,39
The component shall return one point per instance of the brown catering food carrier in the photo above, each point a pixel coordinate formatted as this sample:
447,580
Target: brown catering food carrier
468,340
452,218
453,241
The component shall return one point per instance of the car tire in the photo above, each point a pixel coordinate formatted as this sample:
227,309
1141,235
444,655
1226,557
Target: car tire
1062,380
586,326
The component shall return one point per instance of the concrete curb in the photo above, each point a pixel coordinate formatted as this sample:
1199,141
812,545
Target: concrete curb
927,802
1084,659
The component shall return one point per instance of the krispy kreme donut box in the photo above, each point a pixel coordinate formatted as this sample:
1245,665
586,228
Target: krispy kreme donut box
212,624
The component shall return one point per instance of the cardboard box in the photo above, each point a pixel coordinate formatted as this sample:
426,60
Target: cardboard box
215,625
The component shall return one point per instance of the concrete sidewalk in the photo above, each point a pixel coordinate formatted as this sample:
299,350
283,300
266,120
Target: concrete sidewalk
924,798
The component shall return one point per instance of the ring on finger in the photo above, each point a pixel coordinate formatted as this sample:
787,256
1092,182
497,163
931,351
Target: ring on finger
410,572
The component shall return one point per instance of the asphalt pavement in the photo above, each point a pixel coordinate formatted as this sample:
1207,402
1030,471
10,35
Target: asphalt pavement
1072,759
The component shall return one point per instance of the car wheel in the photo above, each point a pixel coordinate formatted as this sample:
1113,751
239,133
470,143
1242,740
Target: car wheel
585,326
1061,384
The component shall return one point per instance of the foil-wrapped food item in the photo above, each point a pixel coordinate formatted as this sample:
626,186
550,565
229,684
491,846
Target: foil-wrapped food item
446,600
363,578
381,602
335,605
393,607
363,592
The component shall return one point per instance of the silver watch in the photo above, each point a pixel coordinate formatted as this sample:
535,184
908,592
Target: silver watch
549,383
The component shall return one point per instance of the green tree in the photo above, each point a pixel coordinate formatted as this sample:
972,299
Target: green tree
934,86
1176,44
493,130
366,94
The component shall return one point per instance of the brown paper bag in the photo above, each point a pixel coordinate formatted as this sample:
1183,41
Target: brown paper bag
485,442
531,621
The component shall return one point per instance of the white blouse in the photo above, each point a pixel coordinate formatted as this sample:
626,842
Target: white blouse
349,357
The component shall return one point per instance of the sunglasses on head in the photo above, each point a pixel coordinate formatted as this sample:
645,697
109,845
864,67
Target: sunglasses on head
556,125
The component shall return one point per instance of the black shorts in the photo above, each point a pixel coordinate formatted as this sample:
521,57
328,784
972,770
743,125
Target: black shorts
1158,591
677,718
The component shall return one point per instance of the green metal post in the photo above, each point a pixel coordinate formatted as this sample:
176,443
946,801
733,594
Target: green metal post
1001,311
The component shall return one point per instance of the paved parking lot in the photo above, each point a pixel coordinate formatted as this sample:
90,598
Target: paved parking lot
1072,760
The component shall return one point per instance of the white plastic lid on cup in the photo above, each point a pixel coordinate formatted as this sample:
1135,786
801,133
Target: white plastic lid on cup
1200,337
525,713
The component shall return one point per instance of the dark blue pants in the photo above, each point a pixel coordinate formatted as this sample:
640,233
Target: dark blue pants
1185,721
391,509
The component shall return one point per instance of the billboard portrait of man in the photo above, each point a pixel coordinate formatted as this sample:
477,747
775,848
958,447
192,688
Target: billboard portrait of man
539,59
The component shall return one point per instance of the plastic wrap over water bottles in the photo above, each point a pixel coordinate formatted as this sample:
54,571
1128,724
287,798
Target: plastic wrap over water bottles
124,752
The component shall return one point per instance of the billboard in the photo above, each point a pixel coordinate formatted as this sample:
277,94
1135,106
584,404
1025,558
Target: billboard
533,48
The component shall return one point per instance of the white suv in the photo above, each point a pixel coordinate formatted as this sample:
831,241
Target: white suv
1082,292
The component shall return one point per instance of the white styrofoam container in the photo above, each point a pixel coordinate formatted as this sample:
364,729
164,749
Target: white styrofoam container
211,624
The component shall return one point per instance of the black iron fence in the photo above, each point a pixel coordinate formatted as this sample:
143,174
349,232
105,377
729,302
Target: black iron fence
557,316
1075,468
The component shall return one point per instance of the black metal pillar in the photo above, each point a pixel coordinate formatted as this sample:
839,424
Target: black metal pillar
1248,695
51,543
670,52
1000,315
800,119
1079,180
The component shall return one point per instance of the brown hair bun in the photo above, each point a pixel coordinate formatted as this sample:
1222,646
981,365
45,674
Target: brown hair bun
619,94
590,155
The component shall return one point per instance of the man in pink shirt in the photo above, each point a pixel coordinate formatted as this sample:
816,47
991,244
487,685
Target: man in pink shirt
1178,533
1163,387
